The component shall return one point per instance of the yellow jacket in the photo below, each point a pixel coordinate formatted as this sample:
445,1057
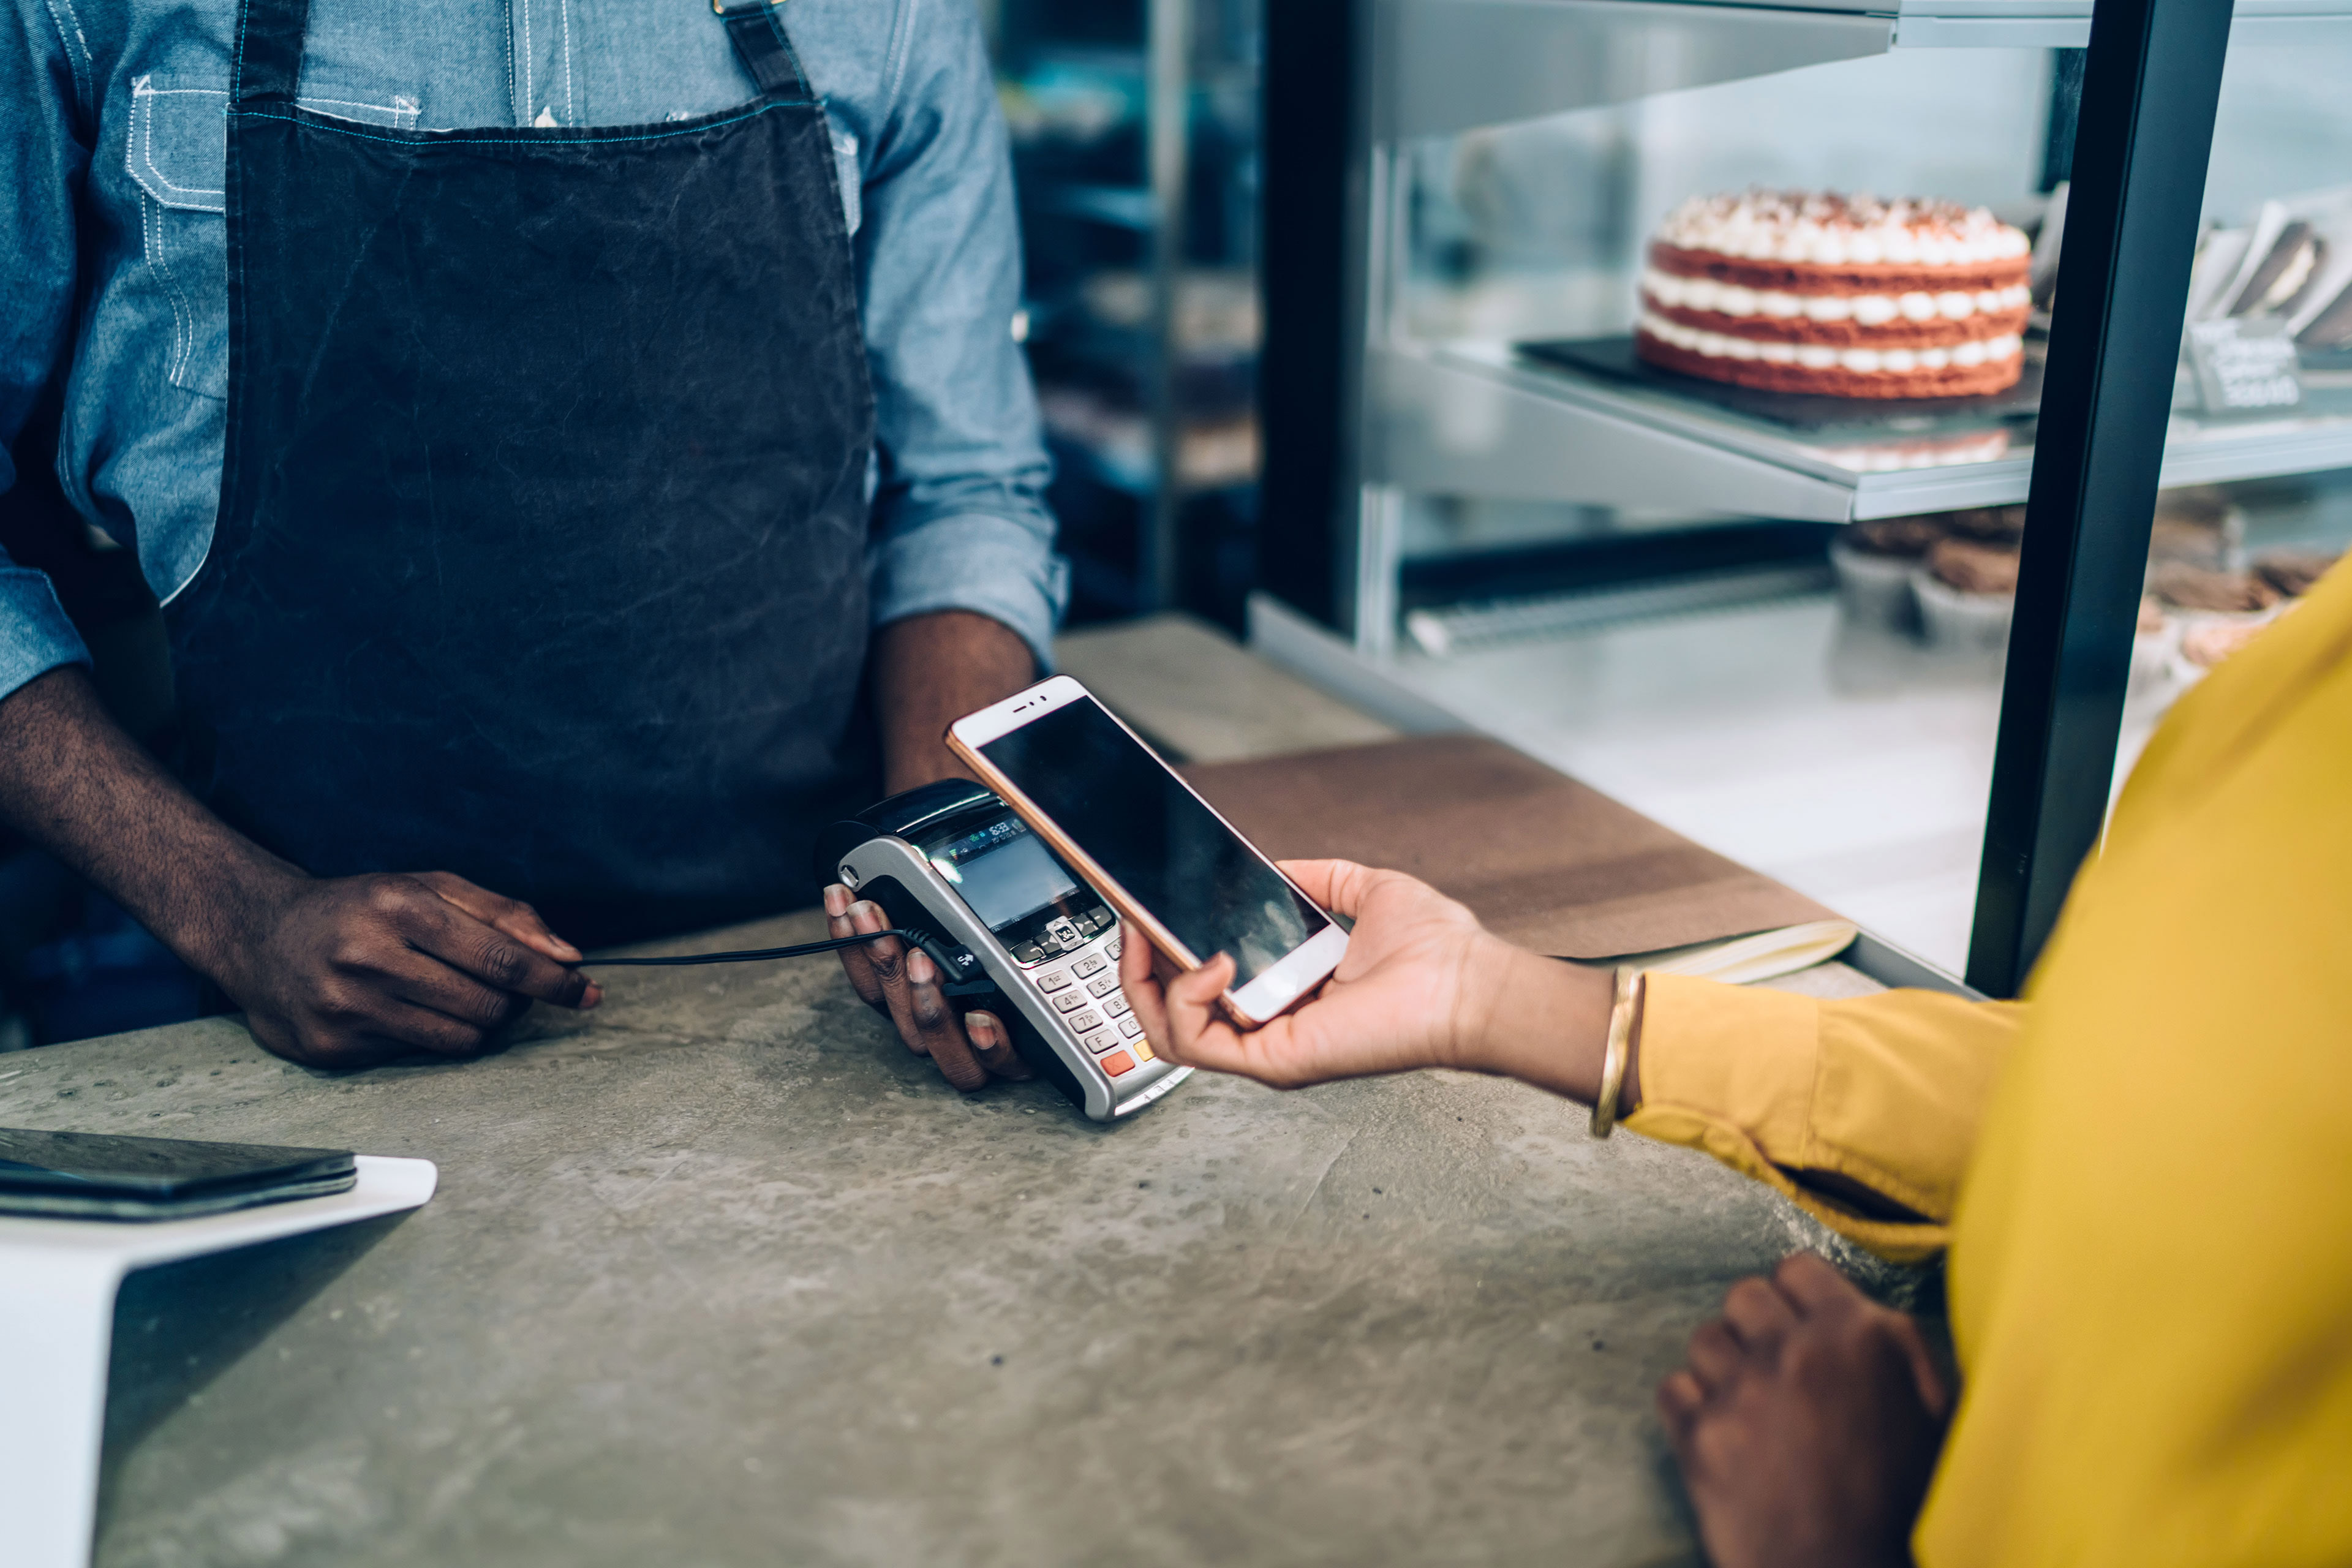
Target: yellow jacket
2143,1170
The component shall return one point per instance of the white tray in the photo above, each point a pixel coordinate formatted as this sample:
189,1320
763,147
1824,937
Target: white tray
57,1280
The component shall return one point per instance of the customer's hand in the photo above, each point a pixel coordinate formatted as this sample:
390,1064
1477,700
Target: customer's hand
1422,984
1412,989
1807,1424
903,985
349,971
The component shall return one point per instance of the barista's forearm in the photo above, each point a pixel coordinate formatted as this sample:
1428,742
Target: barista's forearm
72,781
930,670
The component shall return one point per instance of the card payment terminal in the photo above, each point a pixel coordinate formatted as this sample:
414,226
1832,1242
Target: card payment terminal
1039,949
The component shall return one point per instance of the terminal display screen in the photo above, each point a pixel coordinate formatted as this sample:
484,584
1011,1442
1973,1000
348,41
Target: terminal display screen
1004,872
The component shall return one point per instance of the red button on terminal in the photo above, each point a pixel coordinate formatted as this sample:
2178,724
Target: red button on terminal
1118,1062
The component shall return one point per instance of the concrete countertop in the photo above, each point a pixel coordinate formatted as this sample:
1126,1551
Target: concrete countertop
721,1275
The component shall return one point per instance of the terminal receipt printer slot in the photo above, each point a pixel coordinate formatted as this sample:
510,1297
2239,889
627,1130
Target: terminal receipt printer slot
1040,948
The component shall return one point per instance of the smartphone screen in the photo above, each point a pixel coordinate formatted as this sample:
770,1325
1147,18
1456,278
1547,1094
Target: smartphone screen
1122,804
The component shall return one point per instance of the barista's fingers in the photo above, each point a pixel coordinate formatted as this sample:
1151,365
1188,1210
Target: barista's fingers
512,916
993,1045
854,961
929,1019
886,957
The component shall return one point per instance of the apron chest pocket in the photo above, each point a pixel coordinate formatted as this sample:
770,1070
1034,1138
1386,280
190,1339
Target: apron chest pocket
176,150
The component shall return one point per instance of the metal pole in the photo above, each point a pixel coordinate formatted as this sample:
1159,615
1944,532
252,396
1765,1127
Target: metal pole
2150,83
1168,122
1312,260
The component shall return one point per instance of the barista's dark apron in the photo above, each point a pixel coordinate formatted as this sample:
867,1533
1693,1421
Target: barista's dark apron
542,526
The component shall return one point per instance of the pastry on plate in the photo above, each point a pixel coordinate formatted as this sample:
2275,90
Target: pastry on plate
2292,572
2186,587
1973,568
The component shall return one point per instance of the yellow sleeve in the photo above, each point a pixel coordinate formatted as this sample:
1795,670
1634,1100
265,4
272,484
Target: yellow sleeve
1885,1091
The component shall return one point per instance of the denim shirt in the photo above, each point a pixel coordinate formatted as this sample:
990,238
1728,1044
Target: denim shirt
111,156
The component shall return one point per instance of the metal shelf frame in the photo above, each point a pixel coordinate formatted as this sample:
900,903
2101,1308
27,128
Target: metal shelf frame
1357,414
1473,418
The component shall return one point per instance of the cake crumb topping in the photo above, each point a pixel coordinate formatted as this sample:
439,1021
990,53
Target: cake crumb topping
1828,228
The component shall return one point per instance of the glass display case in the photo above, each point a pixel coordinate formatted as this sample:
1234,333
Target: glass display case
1492,511
1134,141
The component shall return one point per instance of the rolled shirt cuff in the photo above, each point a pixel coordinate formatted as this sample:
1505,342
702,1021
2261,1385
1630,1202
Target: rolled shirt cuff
992,566
35,635
1732,1071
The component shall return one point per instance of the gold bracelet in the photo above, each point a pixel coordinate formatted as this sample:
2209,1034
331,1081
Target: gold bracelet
1612,1061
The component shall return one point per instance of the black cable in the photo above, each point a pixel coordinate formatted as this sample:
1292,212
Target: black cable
929,944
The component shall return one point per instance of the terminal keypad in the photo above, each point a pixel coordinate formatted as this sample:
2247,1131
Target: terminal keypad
1107,1026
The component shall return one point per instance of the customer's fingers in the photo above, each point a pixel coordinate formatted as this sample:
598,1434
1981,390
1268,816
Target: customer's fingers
1137,979
993,1042
1338,885
1134,958
1925,1374
1191,1021
1758,1314
1714,1354
1815,1285
1313,877
1680,1399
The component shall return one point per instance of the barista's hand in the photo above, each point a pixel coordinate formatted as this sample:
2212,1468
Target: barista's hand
1407,994
904,984
346,971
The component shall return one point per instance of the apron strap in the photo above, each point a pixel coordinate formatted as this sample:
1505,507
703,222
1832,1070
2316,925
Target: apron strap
268,52
757,33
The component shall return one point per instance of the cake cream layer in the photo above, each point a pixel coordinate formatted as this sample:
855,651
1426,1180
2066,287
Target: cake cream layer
1835,380
2005,350
1808,278
1900,333
1920,305
1837,230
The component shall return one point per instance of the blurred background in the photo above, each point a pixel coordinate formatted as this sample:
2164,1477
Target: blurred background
1703,658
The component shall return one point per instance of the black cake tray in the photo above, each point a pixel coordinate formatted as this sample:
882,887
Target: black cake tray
1613,358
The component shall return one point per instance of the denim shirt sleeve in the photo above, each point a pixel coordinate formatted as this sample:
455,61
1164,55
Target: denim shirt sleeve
40,162
960,514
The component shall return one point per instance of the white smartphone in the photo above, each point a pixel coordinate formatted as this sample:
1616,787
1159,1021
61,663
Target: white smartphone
1172,867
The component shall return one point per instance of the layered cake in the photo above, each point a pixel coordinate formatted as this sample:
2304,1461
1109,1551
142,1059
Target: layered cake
1846,296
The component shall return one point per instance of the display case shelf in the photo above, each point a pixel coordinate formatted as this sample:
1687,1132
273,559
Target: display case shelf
1490,62
1471,418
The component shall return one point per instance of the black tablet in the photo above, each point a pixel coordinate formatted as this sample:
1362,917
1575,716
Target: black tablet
91,1175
